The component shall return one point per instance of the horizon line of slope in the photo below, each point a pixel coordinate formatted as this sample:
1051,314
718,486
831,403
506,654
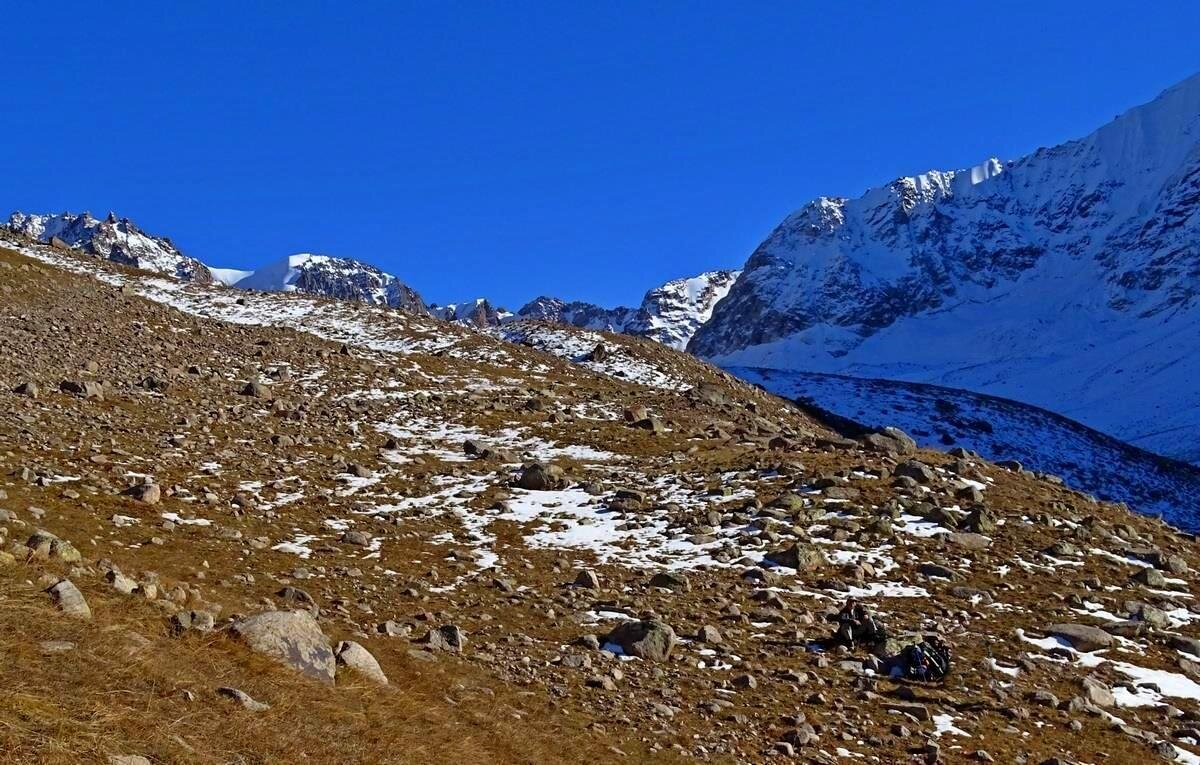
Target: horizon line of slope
1000,429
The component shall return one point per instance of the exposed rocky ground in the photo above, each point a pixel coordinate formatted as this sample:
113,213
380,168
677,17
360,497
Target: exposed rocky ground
575,537
1004,430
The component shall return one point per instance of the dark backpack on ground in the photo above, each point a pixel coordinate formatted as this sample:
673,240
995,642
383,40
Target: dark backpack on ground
927,660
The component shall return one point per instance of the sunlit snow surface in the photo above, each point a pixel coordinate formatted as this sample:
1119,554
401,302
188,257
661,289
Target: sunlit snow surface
1064,279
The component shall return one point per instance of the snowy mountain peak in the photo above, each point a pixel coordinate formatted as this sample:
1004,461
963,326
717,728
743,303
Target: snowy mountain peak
672,313
669,314
1046,279
334,277
115,239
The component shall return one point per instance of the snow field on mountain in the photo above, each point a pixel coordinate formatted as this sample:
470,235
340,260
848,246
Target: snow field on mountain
1065,279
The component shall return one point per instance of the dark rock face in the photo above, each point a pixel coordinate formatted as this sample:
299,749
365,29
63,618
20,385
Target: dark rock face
799,557
577,313
540,477
475,313
353,280
341,284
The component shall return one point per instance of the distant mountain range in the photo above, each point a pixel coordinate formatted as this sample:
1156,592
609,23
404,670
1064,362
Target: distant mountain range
669,314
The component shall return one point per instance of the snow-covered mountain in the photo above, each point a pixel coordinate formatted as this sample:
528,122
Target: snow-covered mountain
1068,279
228,276
672,313
118,240
669,314
328,276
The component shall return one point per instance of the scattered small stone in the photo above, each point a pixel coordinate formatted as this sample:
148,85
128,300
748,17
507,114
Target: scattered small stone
243,698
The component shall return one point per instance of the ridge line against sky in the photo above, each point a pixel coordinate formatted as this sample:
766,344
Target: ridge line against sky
529,149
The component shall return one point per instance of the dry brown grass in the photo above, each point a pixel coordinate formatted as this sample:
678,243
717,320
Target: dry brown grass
488,705
115,694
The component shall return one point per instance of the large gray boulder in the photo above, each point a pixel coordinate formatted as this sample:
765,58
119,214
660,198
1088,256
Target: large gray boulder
1082,637
799,557
1186,644
539,477
45,545
891,441
358,659
146,493
918,471
292,638
445,638
70,600
649,639
968,540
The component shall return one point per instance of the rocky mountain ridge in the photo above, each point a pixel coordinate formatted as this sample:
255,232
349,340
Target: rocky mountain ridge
115,239
333,277
669,314
478,313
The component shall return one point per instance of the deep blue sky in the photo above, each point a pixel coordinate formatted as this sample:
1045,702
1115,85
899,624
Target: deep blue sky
588,150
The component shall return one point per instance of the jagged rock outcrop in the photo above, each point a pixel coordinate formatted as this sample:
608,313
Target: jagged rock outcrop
669,314
577,314
333,277
115,239
477,313
672,314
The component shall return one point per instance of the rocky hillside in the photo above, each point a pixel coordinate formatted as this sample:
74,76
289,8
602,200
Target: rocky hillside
1004,430
117,240
1066,279
220,546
